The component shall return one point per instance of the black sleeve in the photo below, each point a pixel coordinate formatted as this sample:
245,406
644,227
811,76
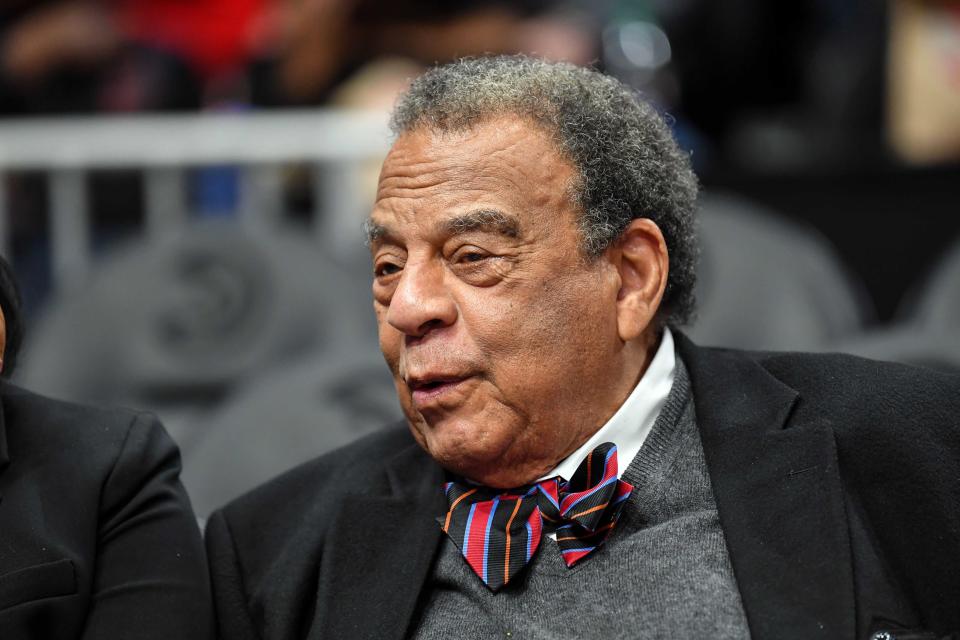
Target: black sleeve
150,581
230,600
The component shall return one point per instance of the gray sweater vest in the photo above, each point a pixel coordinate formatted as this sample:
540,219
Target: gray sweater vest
663,573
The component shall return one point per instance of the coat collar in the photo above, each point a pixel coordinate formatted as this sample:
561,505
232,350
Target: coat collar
379,552
777,485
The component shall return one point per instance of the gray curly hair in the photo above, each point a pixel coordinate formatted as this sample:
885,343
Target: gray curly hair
628,162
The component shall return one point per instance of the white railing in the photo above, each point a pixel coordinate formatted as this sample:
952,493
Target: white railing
337,144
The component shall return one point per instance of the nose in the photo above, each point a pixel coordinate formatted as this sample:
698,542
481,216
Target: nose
421,302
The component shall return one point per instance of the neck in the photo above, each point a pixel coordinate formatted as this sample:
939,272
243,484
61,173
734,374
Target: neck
551,449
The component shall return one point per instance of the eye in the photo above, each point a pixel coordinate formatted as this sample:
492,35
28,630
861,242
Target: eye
384,269
472,256
480,266
469,255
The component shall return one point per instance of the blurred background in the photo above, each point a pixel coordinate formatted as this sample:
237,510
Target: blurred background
182,186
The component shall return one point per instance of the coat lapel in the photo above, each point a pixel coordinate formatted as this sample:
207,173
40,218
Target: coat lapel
378,553
779,498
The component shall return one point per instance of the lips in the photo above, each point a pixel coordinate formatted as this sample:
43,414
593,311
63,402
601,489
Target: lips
430,389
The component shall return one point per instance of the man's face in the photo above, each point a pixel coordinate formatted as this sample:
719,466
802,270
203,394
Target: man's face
501,337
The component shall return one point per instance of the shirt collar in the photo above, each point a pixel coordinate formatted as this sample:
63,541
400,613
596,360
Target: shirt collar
630,425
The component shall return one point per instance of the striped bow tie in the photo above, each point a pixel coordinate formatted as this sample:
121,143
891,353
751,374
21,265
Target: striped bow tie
499,531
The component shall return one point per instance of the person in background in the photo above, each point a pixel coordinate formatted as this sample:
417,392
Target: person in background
308,51
79,56
97,537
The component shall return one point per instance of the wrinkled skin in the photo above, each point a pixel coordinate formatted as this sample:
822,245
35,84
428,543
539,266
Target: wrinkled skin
508,348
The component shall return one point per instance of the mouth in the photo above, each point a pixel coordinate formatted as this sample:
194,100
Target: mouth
428,390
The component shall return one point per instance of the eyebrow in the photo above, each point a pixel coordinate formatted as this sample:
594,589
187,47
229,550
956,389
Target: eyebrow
373,231
489,220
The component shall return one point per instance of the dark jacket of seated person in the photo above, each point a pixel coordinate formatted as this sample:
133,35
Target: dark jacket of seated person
97,537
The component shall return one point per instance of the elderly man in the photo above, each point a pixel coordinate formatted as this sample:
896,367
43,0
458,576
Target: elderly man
573,467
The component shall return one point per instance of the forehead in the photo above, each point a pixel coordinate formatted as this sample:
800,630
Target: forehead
506,164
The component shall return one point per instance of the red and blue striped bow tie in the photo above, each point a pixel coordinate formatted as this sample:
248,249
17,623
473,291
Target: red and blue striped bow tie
499,531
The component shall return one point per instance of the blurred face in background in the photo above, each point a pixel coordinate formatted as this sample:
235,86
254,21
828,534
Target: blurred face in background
502,338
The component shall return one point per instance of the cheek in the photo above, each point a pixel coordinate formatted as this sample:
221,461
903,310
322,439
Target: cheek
383,328
390,342
549,337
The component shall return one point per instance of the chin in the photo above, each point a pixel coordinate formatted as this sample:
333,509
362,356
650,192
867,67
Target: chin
465,448
482,466
498,478
461,457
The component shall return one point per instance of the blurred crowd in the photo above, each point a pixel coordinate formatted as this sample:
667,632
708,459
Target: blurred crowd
748,81
156,55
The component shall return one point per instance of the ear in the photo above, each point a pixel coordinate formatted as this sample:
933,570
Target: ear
640,255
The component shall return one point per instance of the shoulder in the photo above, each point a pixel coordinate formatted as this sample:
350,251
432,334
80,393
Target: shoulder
354,467
841,386
105,485
843,383
313,488
96,459
44,413
869,405
887,419
268,544
833,374
882,413
37,426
